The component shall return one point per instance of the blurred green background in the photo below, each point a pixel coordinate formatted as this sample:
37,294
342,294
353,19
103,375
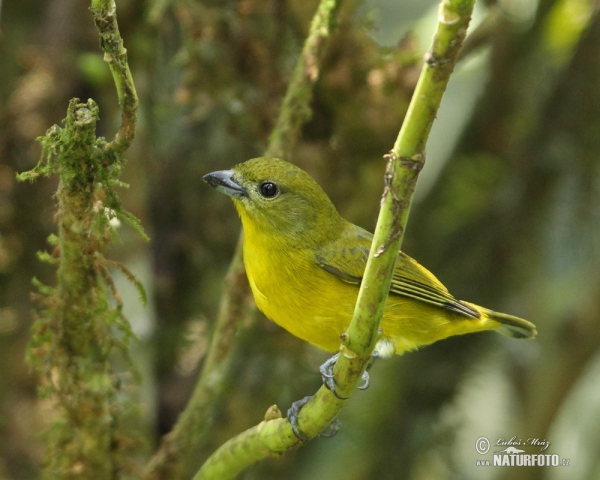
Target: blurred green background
507,214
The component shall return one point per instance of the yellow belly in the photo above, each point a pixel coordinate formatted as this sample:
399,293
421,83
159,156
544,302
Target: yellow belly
313,310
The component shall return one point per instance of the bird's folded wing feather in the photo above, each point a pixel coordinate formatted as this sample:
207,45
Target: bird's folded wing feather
409,279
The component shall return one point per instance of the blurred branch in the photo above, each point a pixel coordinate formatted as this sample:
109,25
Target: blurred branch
193,424
115,55
78,334
195,421
573,339
274,436
295,110
481,36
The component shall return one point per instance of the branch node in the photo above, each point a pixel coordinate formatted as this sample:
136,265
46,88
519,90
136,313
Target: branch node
446,16
272,413
432,59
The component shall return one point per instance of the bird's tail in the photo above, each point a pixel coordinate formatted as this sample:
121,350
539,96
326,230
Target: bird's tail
508,325
511,326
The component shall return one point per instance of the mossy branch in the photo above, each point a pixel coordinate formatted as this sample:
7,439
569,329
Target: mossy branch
275,436
235,309
79,336
115,54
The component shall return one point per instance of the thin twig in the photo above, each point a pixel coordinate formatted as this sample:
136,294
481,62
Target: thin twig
115,54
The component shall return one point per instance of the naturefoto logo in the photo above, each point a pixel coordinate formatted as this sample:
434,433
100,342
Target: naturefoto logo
511,456
510,451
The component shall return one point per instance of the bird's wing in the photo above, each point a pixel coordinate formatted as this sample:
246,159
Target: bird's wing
413,280
346,257
409,280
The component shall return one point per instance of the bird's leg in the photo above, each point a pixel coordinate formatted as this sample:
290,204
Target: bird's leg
331,429
327,376
365,376
292,416
384,348
328,380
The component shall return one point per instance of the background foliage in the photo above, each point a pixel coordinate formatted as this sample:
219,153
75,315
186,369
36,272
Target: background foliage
507,216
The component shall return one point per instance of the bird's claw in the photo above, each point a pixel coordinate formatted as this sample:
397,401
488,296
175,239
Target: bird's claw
331,429
327,375
366,379
329,381
292,416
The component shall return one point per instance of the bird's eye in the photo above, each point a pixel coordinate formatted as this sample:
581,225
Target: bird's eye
268,189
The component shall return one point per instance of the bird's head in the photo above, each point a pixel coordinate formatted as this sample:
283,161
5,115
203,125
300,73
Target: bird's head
277,198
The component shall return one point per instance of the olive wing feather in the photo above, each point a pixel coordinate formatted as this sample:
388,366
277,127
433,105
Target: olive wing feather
347,256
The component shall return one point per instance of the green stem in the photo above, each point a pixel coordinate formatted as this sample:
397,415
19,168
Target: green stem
406,159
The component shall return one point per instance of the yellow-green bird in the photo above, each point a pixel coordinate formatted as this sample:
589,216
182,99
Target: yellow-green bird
305,264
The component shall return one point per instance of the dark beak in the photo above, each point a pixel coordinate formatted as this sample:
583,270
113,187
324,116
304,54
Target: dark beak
223,181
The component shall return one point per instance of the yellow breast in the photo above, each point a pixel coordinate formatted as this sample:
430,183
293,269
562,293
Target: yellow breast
291,290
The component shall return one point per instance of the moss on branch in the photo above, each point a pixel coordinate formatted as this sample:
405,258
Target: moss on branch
80,333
